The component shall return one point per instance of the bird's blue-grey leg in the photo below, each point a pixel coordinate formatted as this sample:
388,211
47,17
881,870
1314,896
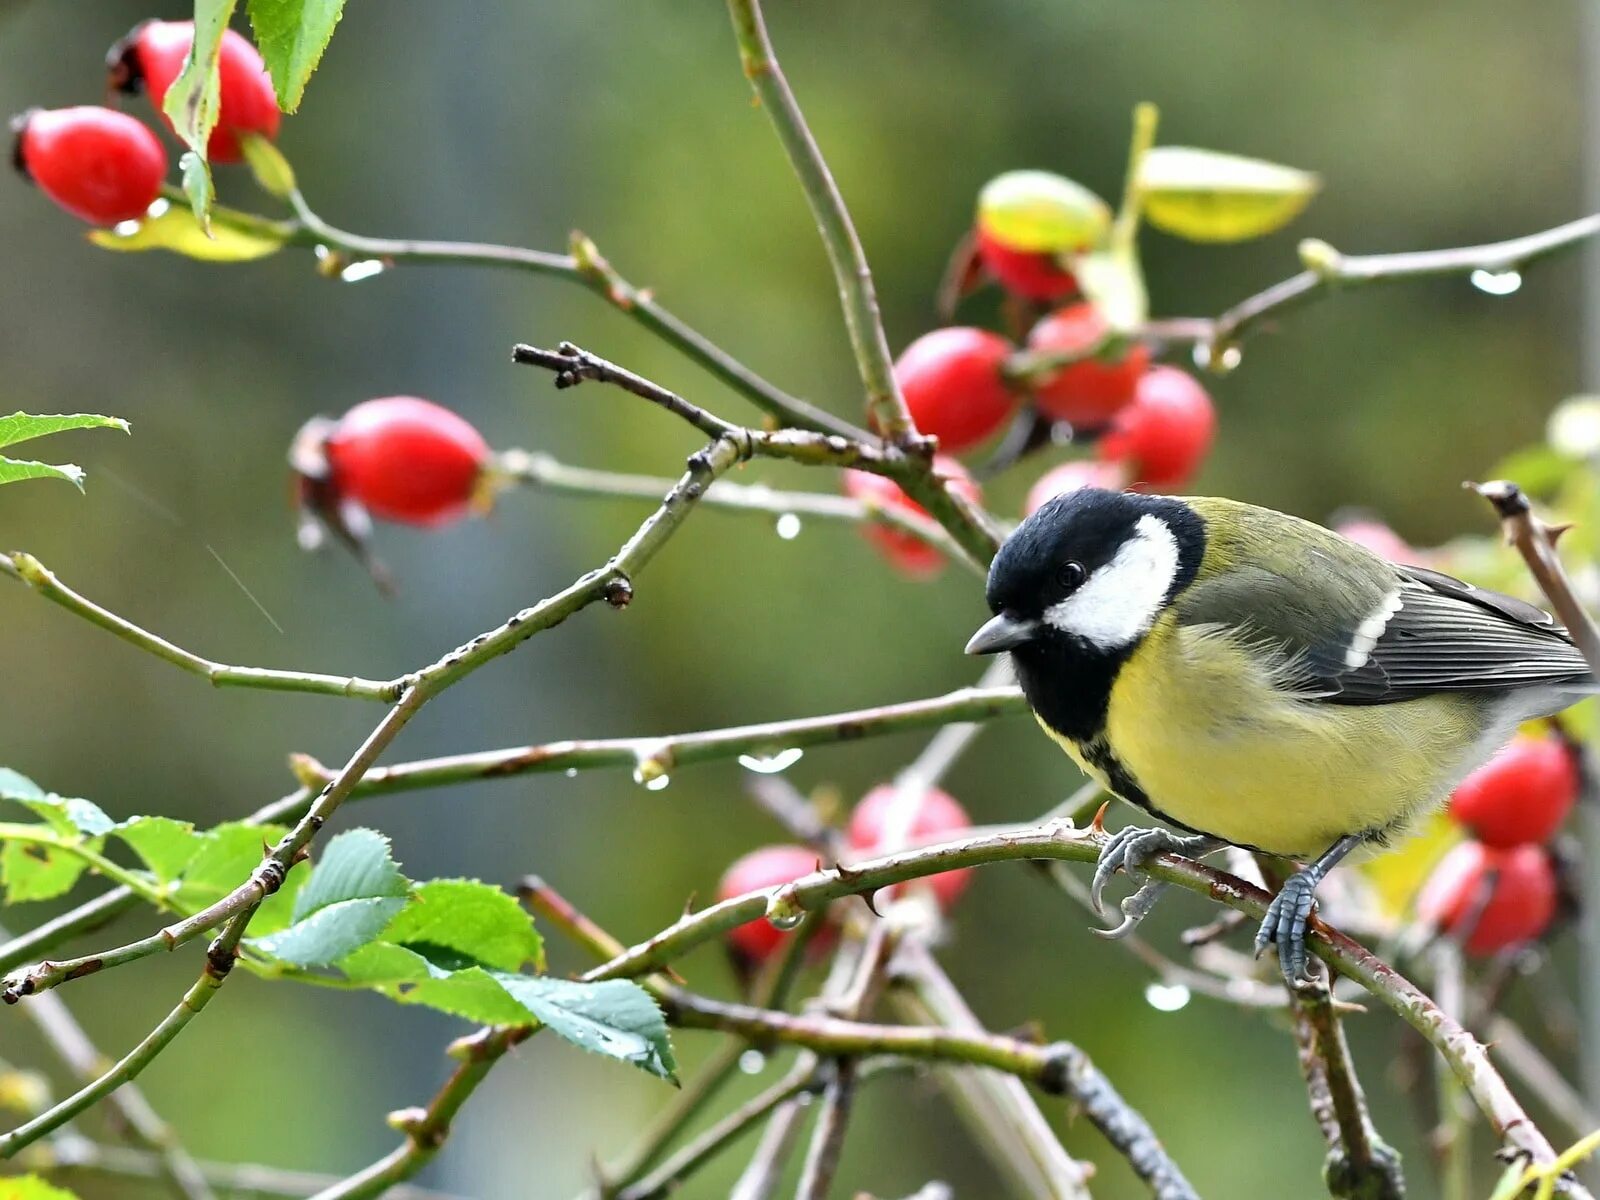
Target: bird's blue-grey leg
1130,849
1290,910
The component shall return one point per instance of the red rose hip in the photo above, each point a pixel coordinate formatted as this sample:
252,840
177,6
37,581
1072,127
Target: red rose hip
1087,393
151,56
406,459
1069,477
99,165
1029,274
771,866
938,815
1522,794
1165,432
1490,898
953,387
904,551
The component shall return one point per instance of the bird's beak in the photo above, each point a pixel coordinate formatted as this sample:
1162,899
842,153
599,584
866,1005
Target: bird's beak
1003,632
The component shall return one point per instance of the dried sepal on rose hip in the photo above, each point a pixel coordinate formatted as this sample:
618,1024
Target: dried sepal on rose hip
151,57
396,458
954,387
754,942
905,551
100,165
937,816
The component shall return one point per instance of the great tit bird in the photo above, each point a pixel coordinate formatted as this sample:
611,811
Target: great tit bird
1256,680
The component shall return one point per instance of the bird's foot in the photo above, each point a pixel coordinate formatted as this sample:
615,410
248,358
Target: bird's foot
1285,924
1129,850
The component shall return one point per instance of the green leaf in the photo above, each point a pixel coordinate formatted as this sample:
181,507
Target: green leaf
20,426
410,977
1206,196
192,102
1114,280
177,229
14,470
69,816
292,34
225,858
615,1017
353,893
271,169
195,173
471,918
31,1187
16,786
30,871
1540,470
164,845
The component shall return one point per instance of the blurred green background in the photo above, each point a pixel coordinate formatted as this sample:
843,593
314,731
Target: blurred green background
1431,125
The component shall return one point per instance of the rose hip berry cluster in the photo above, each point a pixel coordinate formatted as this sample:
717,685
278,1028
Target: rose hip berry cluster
937,816
103,166
1500,887
1151,425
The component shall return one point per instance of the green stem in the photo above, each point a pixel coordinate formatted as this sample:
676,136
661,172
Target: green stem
845,254
29,570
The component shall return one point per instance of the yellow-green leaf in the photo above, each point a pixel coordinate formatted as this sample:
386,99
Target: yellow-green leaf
1207,196
1114,280
178,230
1043,213
267,163
292,34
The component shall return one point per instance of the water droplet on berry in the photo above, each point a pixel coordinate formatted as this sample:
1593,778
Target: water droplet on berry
752,1062
771,764
788,527
1496,283
1167,997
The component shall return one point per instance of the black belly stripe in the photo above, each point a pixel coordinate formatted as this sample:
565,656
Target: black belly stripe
1098,754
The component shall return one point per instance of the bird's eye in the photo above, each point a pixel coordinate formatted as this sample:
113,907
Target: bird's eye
1071,574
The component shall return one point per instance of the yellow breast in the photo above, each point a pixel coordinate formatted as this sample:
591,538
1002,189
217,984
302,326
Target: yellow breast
1197,720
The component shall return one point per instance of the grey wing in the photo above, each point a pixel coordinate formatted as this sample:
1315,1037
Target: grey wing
1448,636
1426,633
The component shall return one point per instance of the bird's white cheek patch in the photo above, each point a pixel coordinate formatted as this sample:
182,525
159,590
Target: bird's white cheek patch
1119,602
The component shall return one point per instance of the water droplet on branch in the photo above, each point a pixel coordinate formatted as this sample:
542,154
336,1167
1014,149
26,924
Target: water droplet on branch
752,1062
771,764
1167,997
1496,283
788,527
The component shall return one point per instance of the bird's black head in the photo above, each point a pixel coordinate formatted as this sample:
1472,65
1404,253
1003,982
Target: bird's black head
1077,586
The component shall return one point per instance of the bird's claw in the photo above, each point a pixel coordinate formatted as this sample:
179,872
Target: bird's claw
1135,909
1285,924
1131,848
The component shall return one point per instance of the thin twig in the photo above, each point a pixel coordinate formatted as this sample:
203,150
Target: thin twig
29,570
584,265
851,274
762,1173
72,1045
1327,270
999,1109
1359,1164
548,474
239,1181
719,1136
611,583
653,757
426,1129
